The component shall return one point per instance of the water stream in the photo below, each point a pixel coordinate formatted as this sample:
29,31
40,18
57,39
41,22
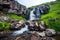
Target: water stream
15,33
32,17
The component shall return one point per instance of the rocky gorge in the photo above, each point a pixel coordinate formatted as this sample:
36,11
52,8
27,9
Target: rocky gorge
31,29
26,30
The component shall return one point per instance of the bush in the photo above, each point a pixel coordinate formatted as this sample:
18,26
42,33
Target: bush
4,26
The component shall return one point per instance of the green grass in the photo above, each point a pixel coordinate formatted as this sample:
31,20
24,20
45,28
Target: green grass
4,26
53,14
13,16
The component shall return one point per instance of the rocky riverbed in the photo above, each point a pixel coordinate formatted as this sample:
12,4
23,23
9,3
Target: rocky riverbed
28,30
28,35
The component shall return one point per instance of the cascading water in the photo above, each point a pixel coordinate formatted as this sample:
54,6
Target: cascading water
32,15
15,33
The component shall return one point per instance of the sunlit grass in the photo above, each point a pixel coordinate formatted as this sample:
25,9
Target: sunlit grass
53,14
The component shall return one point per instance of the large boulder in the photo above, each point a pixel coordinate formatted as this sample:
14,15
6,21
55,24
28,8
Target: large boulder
42,34
42,25
50,32
33,26
17,25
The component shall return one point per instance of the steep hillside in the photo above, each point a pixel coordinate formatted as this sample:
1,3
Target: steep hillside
52,19
6,25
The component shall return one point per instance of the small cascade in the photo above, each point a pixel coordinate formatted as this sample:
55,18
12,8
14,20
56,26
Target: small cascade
32,15
15,33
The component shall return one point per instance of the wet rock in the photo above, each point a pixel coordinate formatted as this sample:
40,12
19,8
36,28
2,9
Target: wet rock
17,25
33,26
41,34
3,18
50,32
42,25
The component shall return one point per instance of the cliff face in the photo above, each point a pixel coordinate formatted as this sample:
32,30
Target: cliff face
12,6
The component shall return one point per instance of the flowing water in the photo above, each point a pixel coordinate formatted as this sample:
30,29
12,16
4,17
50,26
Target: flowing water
32,15
15,33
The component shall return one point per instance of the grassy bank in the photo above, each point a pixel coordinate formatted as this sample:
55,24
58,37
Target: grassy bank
52,19
4,26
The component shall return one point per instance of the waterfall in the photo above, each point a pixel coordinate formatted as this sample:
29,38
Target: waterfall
32,15
36,15
15,33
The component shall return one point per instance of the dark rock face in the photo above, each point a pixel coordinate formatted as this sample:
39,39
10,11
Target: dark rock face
8,6
42,25
41,10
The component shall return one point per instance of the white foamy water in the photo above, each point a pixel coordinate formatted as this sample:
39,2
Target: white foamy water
20,31
32,15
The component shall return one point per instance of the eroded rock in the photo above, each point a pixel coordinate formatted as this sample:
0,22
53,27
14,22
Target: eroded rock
17,25
50,32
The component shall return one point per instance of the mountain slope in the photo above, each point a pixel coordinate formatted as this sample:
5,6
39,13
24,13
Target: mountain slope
52,19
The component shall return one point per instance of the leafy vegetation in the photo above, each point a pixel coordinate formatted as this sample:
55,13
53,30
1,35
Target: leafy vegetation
4,26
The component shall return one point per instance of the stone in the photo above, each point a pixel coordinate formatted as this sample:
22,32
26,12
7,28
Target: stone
12,11
42,25
13,26
42,34
17,25
50,32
